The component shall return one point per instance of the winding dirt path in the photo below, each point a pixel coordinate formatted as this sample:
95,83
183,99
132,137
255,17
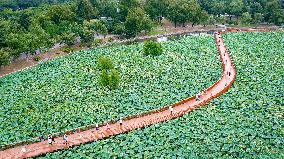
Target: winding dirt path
146,119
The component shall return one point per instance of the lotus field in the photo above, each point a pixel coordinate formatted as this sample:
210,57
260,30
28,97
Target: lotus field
247,122
65,93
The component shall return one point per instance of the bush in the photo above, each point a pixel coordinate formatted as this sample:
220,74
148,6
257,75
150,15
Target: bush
152,48
104,79
69,38
110,79
110,39
37,58
114,79
4,57
119,28
105,63
67,49
97,42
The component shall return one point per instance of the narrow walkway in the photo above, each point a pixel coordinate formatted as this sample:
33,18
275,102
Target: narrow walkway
181,108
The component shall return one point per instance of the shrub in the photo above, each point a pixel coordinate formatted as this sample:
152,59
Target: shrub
114,79
4,57
119,28
67,49
105,63
110,39
104,79
152,48
97,42
37,58
69,38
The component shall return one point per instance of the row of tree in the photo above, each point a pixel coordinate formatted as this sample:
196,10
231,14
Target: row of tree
38,28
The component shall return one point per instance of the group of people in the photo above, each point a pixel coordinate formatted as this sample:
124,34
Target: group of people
51,139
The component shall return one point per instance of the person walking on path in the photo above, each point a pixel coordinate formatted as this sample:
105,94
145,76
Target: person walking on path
49,140
65,139
53,138
23,150
120,121
41,138
97,126
171,110
198,96
108,127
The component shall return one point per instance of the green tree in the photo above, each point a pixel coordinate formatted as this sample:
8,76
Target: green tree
106,8
105,63
4,56
246,18
257,18
114,79
156,9
104,78
85,10
235,7
188,11
204,18
59,13
274,13
136,21
125,6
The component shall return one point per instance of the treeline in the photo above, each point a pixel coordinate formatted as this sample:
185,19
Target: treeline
24,4
29,25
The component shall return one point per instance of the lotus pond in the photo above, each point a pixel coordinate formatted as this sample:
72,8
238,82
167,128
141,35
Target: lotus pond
246,122
65,93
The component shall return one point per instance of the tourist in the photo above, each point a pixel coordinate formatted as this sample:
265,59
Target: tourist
41,138
65,138
53,138
108,127
24,150
97,126
198,97
120,121
171,110
49,140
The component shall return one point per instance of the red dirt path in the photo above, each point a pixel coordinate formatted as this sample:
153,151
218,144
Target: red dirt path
181,108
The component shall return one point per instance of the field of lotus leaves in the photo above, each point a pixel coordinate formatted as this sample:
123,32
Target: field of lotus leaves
246,122
65,93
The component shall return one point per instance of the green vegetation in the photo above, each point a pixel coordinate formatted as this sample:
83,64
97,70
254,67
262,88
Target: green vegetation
246,122
152,48
66,93
105,63
26,26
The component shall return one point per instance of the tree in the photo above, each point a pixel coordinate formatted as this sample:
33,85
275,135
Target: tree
204,18
235,8
104,78
59,13
182,11
136,21
106,8
4,56
156,9
85,10
274,13
246,18
125,6
114,79
178,13
257,17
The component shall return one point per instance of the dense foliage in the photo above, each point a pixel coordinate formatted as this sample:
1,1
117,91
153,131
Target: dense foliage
152,48
66,93
246,122
27,26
